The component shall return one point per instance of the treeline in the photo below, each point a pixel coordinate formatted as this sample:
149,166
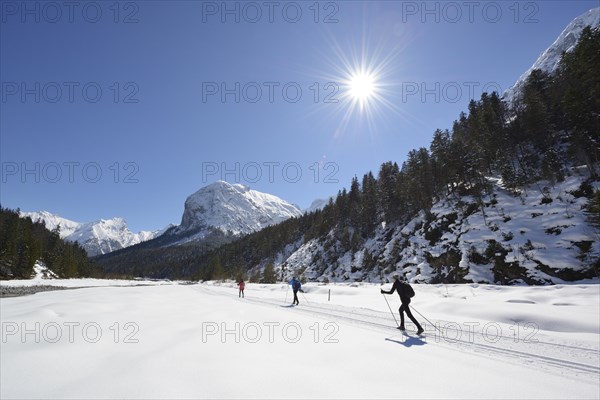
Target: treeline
23,242
552,125
159,257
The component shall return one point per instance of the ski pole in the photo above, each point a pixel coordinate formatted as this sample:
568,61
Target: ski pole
388,303
304,297
286,293
422,316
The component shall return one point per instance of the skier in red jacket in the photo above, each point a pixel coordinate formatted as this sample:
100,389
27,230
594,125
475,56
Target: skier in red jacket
241,285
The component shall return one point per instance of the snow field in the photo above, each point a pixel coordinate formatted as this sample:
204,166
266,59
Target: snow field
202,341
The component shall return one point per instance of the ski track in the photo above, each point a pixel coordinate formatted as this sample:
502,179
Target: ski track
554,357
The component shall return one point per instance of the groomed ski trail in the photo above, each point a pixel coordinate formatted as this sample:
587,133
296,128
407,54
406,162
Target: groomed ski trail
581,363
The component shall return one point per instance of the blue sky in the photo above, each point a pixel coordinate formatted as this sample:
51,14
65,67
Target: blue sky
124,109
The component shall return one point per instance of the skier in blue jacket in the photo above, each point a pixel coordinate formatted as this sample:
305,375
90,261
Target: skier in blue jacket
296,286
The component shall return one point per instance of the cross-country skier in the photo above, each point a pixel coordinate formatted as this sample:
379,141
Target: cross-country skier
405,291
241,285
296,286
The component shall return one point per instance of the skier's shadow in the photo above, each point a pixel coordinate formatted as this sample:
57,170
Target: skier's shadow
408,341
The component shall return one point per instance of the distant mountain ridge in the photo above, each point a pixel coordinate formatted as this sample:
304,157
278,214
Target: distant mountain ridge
220,210
97,237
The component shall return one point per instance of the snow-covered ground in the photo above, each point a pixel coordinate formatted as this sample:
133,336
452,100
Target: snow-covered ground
44,277
202,341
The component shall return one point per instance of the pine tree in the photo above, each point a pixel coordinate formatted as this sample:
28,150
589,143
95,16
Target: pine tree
581,100
535,112
367,261
269,275
54,252
355,203
441,159
593,209
369,217
388,191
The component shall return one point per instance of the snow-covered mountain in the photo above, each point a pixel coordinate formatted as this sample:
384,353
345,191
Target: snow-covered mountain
232,209
318,204
97,237
549,59
107,235
213,216
67,227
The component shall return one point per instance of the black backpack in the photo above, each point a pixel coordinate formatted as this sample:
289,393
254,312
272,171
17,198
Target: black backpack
409,290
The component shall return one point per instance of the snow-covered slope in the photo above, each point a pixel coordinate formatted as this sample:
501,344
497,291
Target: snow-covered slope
549,59
42,273
540,235
234,209
97,237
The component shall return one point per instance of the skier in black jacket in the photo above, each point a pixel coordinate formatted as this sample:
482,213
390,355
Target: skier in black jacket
405,292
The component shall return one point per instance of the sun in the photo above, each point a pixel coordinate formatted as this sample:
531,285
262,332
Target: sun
362,86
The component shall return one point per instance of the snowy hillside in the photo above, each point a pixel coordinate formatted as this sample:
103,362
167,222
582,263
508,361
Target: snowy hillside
549,59
234,209
202,341
98,237
537,236
41,273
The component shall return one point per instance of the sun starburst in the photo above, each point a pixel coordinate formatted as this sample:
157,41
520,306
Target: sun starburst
365,78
